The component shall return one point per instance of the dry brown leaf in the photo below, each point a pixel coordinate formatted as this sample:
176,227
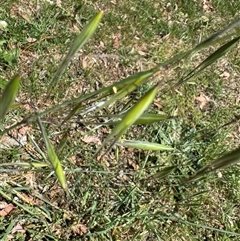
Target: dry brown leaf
18,229
207,6
116,42
102,45
91,139
30,199
25,17
79,229
27,107
31,40
104,130
59,3
202,99
238,100
84,63
73,159
142,53
156,103
225,75
3,205
6,209
24,130
75,28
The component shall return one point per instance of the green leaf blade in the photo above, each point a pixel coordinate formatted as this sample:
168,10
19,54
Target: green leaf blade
164,172
126,86
145,145
149,118
134,113
78,43
53,158
228,159
8,95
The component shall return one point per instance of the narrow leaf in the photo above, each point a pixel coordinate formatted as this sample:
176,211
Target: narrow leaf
227,160
209,60
32,164
26,164
144,145
148,118
120,89
131,116
8,95
213,39
81,39
63,141
217,35
144,119
134,113
135,81
164,172
53,158
230,158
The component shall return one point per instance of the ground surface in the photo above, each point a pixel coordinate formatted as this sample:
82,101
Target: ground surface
125,196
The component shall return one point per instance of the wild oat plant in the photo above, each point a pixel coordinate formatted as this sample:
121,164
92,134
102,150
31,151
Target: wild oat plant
135,114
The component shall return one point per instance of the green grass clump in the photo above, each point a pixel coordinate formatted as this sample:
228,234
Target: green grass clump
125,136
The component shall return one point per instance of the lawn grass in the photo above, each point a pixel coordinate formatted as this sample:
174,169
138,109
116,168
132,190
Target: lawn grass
125,196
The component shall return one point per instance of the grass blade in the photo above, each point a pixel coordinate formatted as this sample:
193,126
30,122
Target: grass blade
144,119
230,158
78,43
164,172
144,145
218,53
148,118
217,35
8,95
53,158
134,113
118,88
209,60
26,164
130,84
131,116
213,39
